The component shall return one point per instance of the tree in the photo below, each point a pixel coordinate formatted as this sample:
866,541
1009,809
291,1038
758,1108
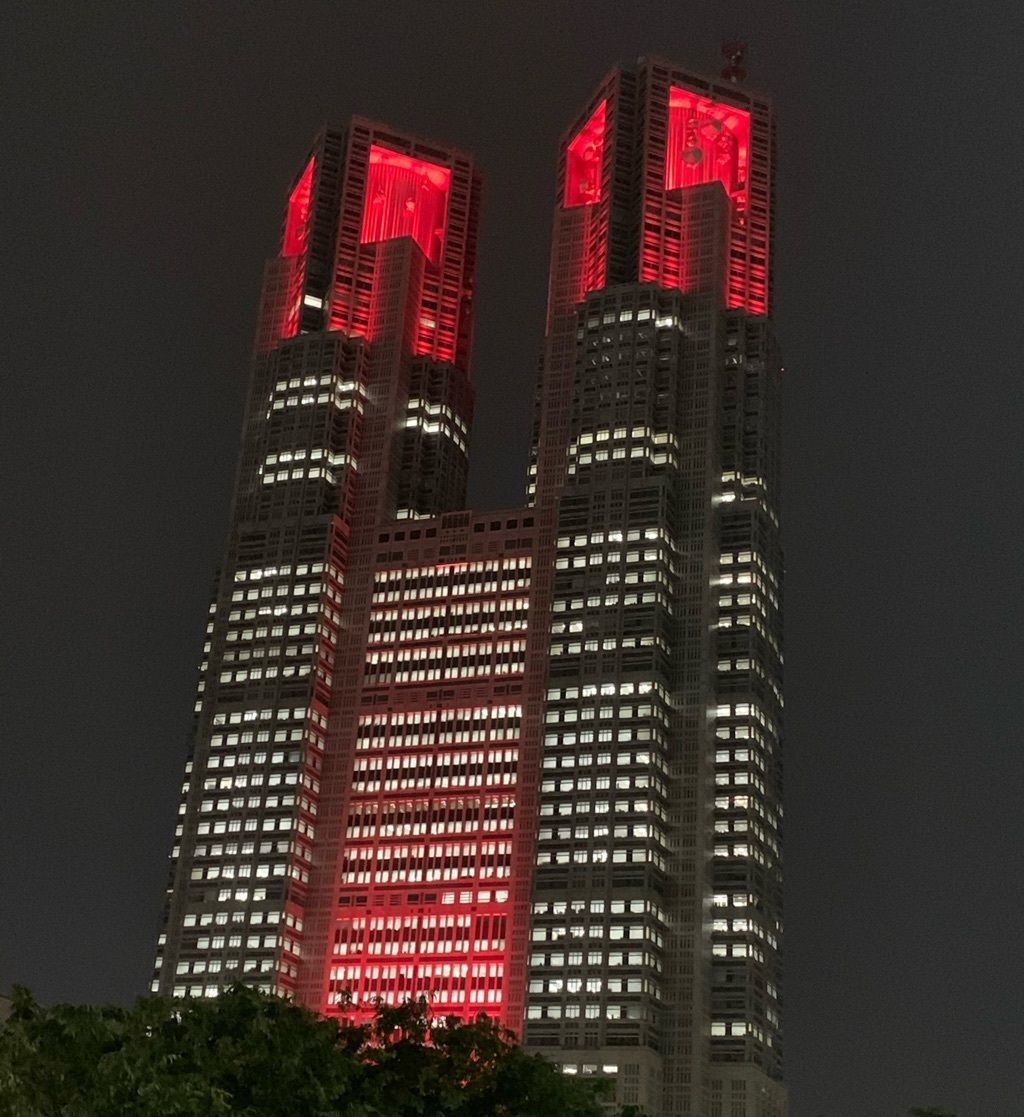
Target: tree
252,1054
469,1070
241,1053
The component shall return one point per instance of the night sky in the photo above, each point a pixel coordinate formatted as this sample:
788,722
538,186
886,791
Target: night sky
146,151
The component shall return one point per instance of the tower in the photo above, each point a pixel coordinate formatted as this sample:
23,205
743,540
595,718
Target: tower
524,762
656,915
358,412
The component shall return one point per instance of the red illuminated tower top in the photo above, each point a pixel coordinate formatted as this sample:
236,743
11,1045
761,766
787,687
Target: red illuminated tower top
650,135
357,192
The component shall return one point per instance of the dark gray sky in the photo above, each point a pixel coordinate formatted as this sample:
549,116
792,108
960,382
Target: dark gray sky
145,153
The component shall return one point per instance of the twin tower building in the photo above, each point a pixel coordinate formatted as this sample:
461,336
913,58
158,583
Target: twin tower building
523,762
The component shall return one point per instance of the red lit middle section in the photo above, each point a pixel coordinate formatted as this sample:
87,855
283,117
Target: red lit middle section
427,871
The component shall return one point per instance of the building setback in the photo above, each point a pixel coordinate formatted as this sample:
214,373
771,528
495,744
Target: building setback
523,762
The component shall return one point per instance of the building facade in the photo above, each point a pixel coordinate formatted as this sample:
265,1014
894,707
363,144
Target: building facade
524,762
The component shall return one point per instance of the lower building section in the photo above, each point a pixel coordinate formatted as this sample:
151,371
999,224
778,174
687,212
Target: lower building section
746,1091
528,773
428,892
636,1074
619,959
243,845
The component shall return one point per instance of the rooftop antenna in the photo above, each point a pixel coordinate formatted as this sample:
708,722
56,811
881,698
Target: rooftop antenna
734,51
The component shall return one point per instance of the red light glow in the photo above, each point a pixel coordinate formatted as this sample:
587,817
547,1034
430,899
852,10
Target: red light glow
405,197
584,159
707,142
296,226
406,248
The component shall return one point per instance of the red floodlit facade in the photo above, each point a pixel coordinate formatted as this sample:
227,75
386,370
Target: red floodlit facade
405,197
668,131
717,135
395,188
709,141
584,160
294,246
296,227
579,247
432,894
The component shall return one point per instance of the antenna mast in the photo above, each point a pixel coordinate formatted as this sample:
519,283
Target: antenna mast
734,51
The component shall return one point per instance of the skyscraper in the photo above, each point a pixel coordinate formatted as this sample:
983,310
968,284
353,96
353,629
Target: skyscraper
523,762
656,915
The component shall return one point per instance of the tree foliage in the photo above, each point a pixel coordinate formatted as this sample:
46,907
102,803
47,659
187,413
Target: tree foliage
248,1053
